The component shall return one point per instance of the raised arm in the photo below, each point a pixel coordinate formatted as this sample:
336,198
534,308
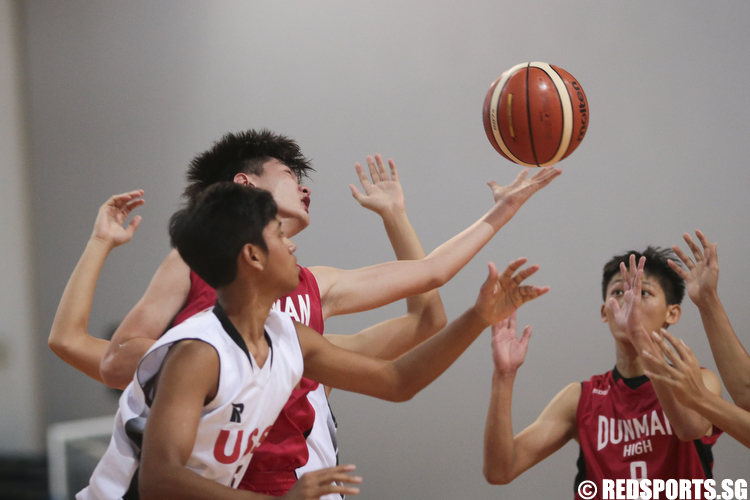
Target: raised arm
701,278
401,379
687,424
69,337
344,292
505,456
146,322
684,376
424,312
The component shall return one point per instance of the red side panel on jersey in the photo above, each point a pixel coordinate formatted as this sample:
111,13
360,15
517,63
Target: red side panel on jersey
624,434
272,468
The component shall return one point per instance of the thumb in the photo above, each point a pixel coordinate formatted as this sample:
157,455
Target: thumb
133,226
355,193
525,337
614,306
491,276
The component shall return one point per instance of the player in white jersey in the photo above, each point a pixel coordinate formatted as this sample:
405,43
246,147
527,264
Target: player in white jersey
232,238
228,433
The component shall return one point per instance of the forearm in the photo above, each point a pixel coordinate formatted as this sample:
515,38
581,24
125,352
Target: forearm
341,291
732,360
686,423
731,419
426,308
147,321
499,444
175,481
69,337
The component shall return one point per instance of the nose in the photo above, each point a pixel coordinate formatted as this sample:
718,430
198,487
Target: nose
306,190
292,247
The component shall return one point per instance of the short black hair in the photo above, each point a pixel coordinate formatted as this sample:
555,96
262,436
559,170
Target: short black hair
210,233
656,266
243,152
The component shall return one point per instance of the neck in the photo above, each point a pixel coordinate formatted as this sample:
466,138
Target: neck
629,363
247,308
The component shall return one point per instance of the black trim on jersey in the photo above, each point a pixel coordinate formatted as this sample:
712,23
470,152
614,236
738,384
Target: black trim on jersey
633,382
581,465
706,456
235,335
132,493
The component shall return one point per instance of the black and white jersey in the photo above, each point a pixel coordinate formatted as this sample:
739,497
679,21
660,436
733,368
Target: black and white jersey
232,425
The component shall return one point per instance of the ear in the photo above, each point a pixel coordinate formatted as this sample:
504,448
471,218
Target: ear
253,256
246,180
674,312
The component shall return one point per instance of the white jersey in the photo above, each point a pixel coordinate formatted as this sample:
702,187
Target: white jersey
232,425
321,443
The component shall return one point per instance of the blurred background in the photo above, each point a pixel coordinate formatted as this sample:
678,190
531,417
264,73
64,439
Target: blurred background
97,98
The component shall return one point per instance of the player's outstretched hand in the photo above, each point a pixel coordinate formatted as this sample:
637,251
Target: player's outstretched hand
384,193
683,372
503,293
112,215
313,485
702,273
515,194
628,317
508,352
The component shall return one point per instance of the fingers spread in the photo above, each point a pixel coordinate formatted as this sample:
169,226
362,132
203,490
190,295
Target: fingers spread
394,172
525,273
373,169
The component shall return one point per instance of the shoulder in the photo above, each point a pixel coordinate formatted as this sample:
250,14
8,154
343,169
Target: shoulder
570,395
565,402
711,381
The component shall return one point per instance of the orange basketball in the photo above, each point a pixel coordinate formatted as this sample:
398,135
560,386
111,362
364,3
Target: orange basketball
535,114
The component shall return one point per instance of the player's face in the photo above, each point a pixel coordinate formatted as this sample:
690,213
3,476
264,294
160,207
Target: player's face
656,312
292,198
281,265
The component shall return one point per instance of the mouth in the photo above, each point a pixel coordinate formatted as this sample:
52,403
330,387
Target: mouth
306,202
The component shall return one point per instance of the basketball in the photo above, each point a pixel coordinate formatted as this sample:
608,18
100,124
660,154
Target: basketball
535,114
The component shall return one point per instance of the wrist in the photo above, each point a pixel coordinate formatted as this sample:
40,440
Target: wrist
475,315
499,215
707,300
504,375
393,215
100,244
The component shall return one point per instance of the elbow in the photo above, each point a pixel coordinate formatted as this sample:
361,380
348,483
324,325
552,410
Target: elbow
691,433
496,477
402,396
402,393
111,376
432,318
59,344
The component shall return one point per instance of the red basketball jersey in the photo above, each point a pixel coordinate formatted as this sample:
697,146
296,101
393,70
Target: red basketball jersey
272,467
624,434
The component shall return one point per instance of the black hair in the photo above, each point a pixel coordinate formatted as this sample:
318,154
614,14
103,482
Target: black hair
243,152
656,266
210,233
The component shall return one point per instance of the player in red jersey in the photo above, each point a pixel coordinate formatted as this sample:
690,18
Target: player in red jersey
628,426
683,375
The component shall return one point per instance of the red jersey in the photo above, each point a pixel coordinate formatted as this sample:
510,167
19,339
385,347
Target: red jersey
624,434
272,468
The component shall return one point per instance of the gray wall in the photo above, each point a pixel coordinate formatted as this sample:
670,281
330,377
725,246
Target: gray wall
123,94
